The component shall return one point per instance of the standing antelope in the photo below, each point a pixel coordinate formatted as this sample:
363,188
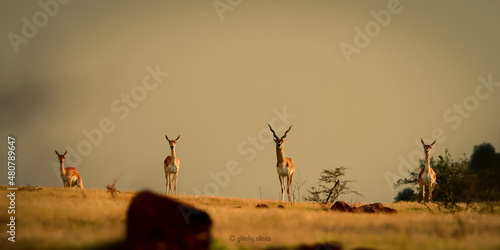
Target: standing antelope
172,165
284,166
427,176
69,175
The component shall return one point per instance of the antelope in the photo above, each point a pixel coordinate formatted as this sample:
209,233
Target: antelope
69,175
284,166
172,165
427,176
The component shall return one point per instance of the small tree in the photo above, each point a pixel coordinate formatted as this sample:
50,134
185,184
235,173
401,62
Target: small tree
455,182
485,163
407,194
326,183
112,187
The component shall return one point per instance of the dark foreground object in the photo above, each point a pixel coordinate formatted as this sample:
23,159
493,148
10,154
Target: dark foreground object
322,246
341,206
159,222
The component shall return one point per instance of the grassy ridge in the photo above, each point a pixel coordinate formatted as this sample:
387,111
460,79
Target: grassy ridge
58,218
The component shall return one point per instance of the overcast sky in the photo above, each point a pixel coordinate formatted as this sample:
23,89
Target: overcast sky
361,82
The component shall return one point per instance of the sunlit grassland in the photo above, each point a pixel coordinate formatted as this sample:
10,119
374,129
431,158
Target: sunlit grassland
57,218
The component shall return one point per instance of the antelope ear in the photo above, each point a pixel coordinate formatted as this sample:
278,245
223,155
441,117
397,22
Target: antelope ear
65,152
433,143
422,140
167,138
56,153
285,141
177,138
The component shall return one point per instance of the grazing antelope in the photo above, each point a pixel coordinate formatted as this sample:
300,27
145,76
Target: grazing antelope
427,176
69,175
172,165
284,166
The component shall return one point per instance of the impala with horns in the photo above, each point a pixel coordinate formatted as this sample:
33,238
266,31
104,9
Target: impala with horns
284,165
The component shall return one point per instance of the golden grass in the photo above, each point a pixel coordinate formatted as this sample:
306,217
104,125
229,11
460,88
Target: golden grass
58,218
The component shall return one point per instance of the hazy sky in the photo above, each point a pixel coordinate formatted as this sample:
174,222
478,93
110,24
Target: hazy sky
361,82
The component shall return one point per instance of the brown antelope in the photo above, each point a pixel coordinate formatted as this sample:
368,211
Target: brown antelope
427,176
172,165
284,166
69,175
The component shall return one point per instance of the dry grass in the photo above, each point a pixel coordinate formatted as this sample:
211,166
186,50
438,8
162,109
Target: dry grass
62,218
70,218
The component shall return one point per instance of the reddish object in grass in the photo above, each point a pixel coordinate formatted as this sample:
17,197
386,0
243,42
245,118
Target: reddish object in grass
158,222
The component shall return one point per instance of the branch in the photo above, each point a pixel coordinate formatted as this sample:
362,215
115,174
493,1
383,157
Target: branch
331,191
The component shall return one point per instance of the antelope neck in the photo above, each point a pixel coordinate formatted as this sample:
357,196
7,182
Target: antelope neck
63,171
427,165
280,154
172,150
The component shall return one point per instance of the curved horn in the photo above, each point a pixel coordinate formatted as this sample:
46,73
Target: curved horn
283,137
274,134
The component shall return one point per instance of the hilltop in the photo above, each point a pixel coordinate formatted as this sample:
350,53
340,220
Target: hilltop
59,218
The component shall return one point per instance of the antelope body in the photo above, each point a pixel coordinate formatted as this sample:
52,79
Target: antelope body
284,166
69,175
427,176
171,166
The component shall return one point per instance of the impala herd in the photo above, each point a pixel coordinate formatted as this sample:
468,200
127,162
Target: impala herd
284,166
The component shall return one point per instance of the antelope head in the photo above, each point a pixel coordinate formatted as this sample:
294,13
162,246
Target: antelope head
172,142
279,141
427,148
61,157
